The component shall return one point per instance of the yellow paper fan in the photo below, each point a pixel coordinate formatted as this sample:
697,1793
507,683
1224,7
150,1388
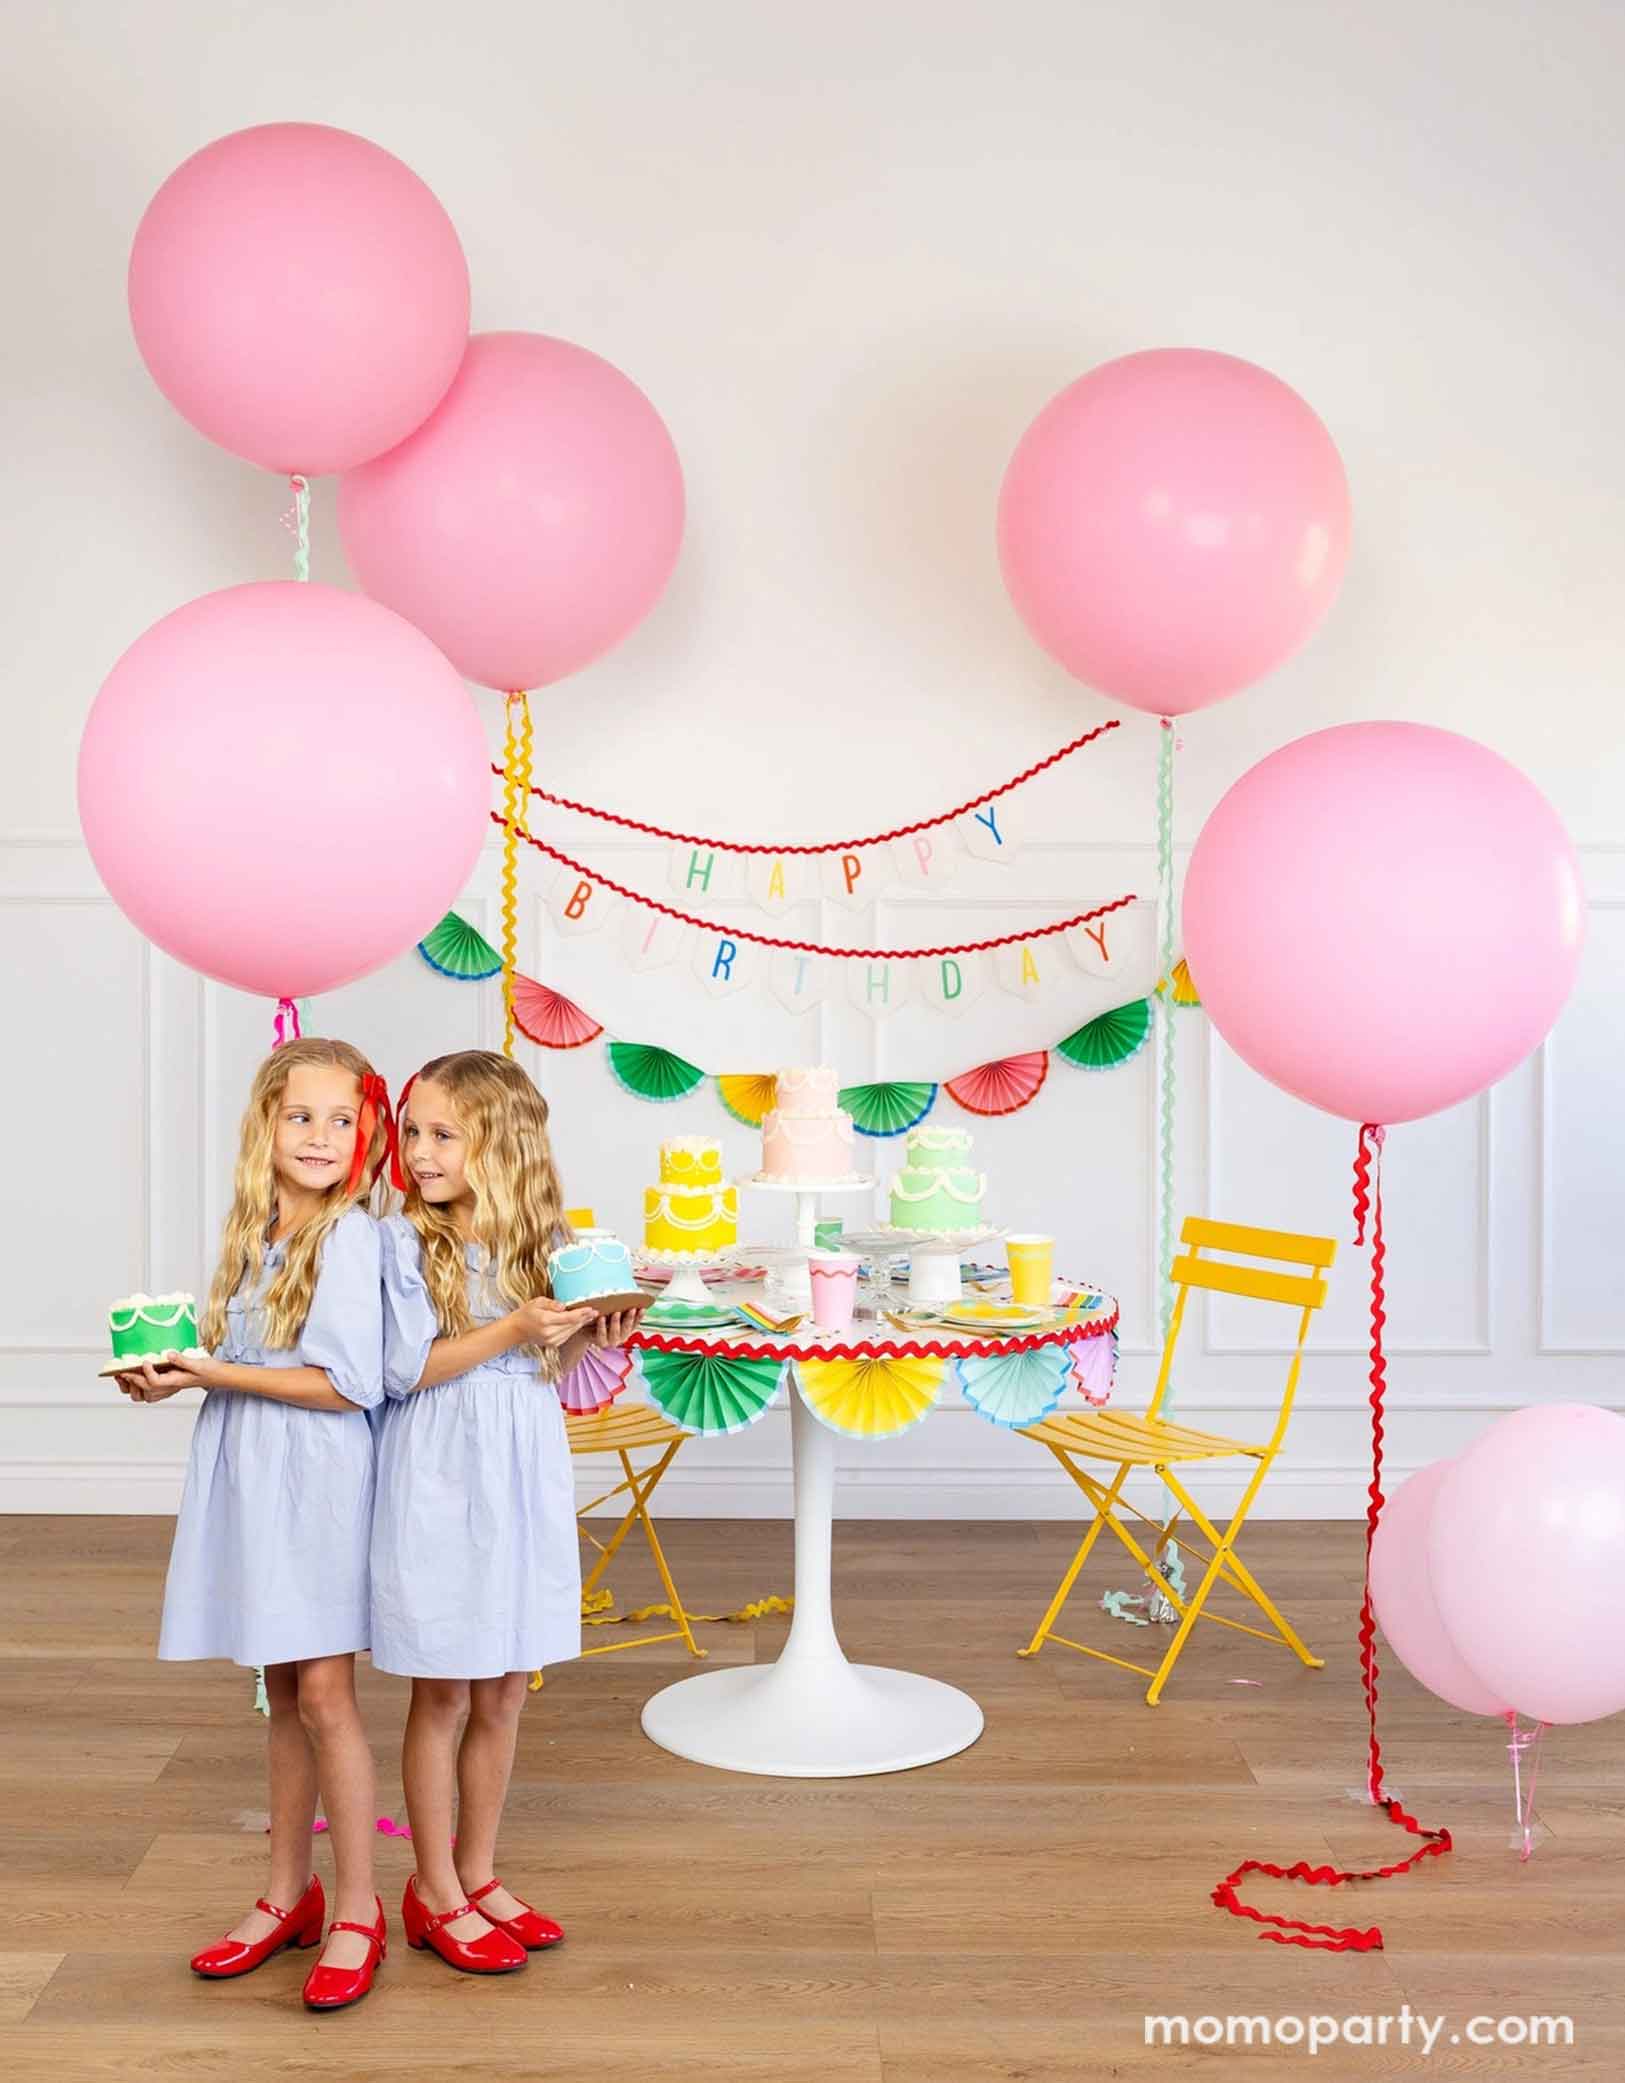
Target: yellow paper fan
1185,992
747,1096
870,1399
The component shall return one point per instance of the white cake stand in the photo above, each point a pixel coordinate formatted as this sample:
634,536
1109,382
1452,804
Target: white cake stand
812,1715
934,1256
686,1268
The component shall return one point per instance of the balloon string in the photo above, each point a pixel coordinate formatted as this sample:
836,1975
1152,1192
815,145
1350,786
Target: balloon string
1120,1605
516,755
1524,1805
297,521
1292,1931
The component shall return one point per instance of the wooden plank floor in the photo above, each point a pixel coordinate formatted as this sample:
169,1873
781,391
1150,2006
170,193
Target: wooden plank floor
1010,1914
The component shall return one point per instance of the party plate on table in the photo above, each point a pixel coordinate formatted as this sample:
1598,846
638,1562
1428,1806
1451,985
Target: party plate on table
671,1315
995,1316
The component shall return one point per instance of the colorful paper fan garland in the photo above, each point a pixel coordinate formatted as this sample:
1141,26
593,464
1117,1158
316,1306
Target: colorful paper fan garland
651,1073
888,1110
550,1019
870,1399
1016,1388
1112,1039
1094,1368
708,1393
1003,1087
455,949
1185,992
747,1096
595,1380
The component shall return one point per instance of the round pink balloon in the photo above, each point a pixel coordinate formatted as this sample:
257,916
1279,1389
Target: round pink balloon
1173,526
284,786
1402,1598
532,522
1383,918
1526,1557
299,295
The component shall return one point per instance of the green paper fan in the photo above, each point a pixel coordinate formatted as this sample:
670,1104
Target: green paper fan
653,1073
707,1393
887,1110
1112,1039
455,949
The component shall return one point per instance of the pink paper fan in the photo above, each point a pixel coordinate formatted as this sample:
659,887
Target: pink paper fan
1003,1087
549,1018
595,1380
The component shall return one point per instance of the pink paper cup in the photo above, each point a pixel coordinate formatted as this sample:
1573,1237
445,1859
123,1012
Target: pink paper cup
834,1289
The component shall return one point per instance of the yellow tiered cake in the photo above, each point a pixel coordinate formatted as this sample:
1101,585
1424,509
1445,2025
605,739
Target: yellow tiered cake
693,1208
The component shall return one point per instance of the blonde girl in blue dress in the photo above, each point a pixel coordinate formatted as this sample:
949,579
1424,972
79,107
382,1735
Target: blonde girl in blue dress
476,1575
269,1564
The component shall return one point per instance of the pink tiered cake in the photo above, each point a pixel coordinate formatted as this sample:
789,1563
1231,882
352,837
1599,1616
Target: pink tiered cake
807,1136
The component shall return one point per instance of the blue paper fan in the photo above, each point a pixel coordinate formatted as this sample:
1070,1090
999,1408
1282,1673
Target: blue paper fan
1015,1388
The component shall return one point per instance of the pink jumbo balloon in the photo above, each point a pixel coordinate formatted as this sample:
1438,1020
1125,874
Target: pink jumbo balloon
1402,1598
532,522
299,295
1173,526
1526,1556
284,786
1383,918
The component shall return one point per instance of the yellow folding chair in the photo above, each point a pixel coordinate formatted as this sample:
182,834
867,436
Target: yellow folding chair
1126,1442
624,1429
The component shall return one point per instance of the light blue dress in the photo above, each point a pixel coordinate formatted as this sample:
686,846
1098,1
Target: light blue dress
475,1565
270,1558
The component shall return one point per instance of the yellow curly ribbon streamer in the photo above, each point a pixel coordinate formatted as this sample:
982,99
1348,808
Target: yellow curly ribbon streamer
595,1612
517,745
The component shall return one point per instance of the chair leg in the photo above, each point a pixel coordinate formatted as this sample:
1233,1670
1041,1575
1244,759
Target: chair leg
1247,1583
1221,1555
652,1476
1064,1589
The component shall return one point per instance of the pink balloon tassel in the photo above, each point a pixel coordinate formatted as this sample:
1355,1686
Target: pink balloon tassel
287,1022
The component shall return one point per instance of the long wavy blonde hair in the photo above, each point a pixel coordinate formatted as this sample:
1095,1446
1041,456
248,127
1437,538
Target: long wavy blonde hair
518,1202
254,1199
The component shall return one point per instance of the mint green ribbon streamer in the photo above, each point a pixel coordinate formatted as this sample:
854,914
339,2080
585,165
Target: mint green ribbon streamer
1117,1603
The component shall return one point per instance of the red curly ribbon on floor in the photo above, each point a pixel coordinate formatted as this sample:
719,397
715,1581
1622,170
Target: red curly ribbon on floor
1292,1931
923,824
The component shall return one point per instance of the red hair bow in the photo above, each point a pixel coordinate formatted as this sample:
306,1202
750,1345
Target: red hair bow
374,1108
397,1171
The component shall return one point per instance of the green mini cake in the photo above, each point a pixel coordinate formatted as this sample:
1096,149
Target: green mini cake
146,1327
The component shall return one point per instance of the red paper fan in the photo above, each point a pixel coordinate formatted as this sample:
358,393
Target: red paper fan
1000,1088
549,1018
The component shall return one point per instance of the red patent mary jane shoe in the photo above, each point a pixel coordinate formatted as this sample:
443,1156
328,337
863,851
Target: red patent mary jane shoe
331,1988
299,1926
492,1953
533,1931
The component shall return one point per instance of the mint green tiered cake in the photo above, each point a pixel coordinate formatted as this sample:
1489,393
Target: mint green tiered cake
937,1189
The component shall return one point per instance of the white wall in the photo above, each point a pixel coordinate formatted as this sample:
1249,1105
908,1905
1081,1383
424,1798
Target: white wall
849,254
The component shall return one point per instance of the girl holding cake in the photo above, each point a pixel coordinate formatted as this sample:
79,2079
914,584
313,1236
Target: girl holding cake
269,1564
476,1574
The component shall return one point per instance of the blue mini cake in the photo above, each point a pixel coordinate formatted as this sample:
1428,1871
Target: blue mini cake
596,1264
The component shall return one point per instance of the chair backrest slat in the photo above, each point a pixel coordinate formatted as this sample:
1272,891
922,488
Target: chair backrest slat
1253,1243
1258,1282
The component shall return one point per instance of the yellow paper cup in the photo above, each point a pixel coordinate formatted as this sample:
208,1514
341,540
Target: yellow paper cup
1032,1269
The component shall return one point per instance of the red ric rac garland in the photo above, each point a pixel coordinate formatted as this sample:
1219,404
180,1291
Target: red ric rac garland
1293,1931
922,824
